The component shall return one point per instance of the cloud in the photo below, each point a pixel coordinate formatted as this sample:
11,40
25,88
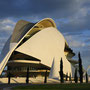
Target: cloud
88,48
73,42
7,21
6,28
76,44
76,25
54,8
2,42
74,14
6,25
87,40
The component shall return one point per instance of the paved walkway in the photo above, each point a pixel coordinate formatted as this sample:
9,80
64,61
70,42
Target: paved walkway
21,81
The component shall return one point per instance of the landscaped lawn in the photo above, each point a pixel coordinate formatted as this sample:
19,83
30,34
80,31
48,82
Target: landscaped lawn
54,87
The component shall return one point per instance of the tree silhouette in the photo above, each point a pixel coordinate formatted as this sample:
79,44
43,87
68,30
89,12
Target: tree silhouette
27,76
66,76
86,77
9,77
80,68
45,79
70,77
61,71
75,76
9,74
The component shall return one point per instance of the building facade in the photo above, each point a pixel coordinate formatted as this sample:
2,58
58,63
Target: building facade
36,45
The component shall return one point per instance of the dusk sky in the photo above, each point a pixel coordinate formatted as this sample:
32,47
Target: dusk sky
72,18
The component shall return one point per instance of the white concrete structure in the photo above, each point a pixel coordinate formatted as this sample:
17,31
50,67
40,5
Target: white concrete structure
37,45
54,71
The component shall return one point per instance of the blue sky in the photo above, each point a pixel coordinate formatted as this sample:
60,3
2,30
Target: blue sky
72,18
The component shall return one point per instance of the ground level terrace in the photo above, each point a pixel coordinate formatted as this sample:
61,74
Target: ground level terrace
37,80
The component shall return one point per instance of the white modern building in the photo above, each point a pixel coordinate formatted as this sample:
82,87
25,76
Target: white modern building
38,46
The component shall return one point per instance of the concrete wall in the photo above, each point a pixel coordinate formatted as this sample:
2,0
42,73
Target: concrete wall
45,45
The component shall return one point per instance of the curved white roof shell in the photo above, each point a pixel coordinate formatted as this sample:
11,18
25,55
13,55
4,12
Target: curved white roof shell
44,42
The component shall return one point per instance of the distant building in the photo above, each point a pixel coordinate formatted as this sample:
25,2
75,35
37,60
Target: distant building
35,45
